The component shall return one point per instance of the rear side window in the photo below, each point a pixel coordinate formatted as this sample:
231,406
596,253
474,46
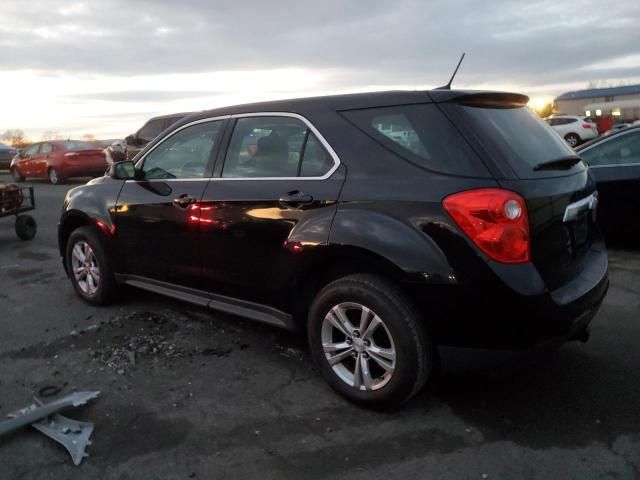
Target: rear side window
152,129
422,135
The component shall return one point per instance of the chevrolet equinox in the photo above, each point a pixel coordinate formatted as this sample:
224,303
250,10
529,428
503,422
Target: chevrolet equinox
381,224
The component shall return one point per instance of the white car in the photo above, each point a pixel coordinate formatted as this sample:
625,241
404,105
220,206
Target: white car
574,129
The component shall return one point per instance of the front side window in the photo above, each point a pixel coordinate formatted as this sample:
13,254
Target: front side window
274,147
621,150
184,154
46,148
32,150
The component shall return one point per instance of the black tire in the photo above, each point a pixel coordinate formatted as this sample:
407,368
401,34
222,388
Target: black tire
25,227
54,177
107,288
414,352
17,176
572,139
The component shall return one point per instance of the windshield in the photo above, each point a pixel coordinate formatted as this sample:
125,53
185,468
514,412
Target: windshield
520,138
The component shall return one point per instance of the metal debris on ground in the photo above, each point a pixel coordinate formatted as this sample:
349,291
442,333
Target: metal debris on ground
72,434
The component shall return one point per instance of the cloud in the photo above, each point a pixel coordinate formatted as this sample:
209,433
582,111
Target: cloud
340,46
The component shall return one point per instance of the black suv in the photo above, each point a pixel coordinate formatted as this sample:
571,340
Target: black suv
382,224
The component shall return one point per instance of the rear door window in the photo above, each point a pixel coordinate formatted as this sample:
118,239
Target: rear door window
46,148
274,147
422,135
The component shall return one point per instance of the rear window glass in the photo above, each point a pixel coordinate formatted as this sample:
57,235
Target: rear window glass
519,137
76,145
422,135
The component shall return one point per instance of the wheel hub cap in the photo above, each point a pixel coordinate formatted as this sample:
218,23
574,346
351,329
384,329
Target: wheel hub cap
358,346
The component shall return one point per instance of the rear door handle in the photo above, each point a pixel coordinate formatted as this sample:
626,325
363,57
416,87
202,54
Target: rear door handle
295,199
183,201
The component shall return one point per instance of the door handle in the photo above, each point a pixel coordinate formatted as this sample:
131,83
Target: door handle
295,199
183,201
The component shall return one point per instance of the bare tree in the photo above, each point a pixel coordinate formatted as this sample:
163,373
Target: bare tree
89,137
14,137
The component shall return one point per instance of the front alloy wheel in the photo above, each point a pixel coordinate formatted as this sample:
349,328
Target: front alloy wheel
89,267
85,268
358,346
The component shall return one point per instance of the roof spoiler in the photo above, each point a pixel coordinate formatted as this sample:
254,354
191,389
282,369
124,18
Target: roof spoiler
492,100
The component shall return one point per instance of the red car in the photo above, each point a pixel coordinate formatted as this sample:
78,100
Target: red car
58,160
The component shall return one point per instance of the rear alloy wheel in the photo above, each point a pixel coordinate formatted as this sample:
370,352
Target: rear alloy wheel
369,342
54,177
88,267
572,139
17,176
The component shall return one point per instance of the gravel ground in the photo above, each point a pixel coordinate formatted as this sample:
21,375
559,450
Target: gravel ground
186,393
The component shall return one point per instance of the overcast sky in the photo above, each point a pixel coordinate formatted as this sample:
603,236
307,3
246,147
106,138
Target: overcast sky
103,67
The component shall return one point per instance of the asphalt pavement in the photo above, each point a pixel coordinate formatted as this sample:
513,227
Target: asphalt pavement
212,396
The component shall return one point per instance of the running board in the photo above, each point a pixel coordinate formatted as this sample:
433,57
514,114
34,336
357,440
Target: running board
221,303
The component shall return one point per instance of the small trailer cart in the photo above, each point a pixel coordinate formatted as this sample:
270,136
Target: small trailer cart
15,200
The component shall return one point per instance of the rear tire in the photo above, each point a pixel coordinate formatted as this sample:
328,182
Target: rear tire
17,176
54,177
572,139
387,362
89,268
26,227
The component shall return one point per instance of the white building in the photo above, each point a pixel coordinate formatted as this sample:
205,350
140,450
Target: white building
621,102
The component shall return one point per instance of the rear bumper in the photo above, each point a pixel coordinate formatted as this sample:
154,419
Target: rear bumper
487,313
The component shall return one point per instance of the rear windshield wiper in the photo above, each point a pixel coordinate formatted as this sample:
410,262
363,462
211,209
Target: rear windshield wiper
564,163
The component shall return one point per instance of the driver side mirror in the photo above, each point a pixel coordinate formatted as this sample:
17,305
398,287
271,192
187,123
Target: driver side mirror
122,171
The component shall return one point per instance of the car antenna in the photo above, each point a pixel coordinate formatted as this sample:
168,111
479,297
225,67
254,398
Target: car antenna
448,85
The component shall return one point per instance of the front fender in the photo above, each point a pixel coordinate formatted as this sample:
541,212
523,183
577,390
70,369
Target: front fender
90,204
393,238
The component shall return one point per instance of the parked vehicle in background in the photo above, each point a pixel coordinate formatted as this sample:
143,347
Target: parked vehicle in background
369,221
618,126
574,129
58,160
6,155
614,162
150,130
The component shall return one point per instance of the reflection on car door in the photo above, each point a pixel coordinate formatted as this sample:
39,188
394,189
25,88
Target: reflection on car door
274,173
154,232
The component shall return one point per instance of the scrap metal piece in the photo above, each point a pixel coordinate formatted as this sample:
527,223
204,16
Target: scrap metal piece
33,413
72,434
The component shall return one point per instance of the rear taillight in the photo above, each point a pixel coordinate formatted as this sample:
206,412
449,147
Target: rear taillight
495,221
586,125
